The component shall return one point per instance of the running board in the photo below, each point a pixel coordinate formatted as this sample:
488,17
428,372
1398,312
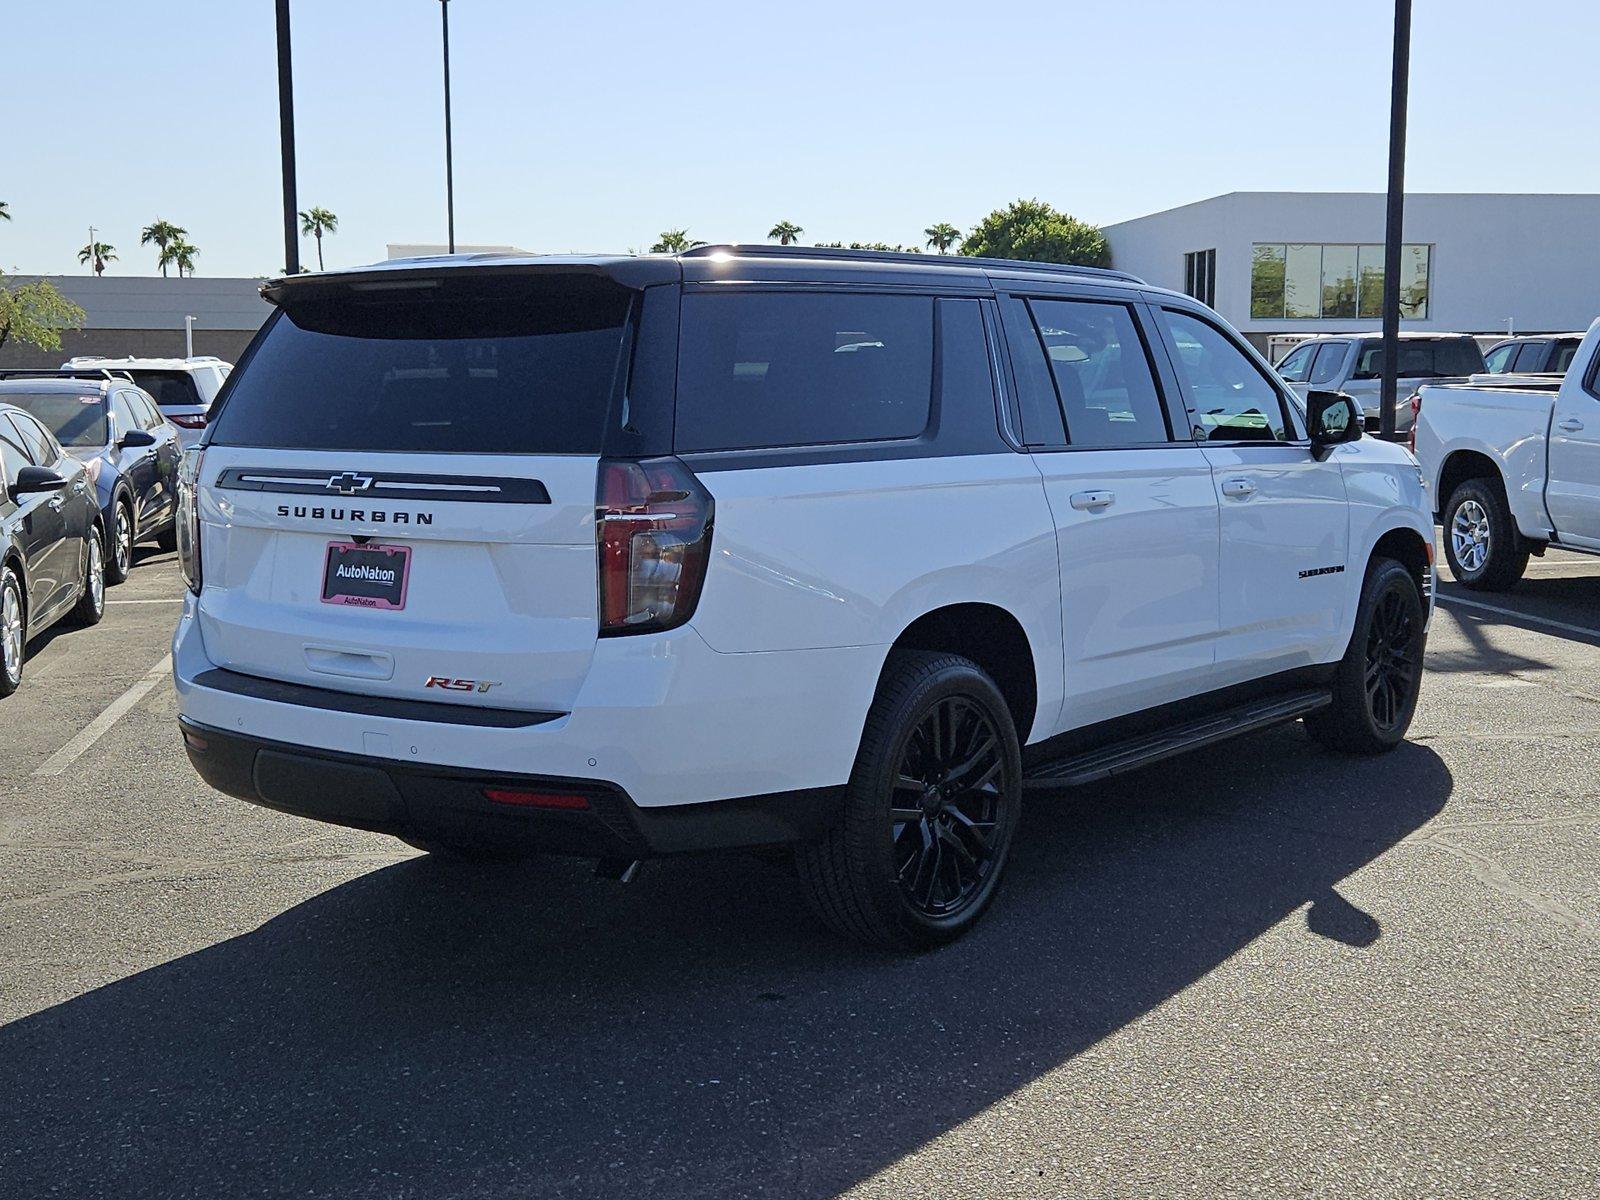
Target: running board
1090,766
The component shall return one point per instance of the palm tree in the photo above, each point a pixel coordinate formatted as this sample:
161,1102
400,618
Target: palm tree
5,211
786,233
674,241
98,253
180,254
942,236
316,222
162,234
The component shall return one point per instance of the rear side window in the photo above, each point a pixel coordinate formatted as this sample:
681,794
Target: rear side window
1530,359
775,369
1102,373
1424,358
174,389
475,366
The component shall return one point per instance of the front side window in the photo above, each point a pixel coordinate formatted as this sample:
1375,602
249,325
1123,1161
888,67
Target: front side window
12,459
781,369
1330,360
75,419
1498,360
1229,398
40,445
1101,373
1296,368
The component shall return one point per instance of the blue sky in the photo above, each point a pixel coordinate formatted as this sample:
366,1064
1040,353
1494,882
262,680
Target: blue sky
596,126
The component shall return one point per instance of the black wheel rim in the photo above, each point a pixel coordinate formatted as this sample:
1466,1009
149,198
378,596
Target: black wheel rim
1392,666
949,808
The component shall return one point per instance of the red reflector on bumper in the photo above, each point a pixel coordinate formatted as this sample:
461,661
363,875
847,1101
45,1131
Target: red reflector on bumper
535,799
196,742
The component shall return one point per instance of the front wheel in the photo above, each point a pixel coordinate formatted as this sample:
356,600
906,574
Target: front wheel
1376,684
930,809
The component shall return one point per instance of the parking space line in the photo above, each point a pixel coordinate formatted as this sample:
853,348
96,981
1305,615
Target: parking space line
1527,618
163,600
95,729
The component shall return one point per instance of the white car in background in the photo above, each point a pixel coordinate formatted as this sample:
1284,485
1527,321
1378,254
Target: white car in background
183,388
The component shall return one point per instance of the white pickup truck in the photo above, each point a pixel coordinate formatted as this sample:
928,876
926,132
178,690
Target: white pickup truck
1514,467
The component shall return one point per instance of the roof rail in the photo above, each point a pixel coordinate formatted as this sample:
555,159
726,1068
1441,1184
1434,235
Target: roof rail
99,373
954,261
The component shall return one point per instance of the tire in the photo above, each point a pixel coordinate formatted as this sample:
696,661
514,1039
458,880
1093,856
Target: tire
939,748
119,560
1385,652
92,604
1485,550
167,539
13,630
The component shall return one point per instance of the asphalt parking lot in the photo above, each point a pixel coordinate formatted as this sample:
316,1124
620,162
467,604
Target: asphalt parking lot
1263,970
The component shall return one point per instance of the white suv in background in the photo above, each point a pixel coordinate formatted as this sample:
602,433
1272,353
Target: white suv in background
841,552
183,388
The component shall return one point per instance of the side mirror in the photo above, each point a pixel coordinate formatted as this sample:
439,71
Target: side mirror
135,439
32,480
1333,419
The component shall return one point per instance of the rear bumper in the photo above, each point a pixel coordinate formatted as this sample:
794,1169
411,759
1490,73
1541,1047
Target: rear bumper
449,805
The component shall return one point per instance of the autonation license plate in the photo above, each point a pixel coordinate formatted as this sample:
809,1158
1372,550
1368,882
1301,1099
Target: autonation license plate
369,576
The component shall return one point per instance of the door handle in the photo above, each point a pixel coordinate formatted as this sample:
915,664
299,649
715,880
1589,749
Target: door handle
1092,501
1572,425
1242,488
54,503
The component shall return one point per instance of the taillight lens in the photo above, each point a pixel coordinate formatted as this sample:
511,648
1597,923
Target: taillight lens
653,533
1416,411
188,420
189,518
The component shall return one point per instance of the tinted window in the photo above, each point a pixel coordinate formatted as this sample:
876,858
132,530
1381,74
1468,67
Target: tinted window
123,414
470,366
41,446
1565,353
12,458
1102,373
1229,399
1036,392
1498,360
1531,358
1424,358
798,369
144,412
175,388
76,420
1330,358
1296,368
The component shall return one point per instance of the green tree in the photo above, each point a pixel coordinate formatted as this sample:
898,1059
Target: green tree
785,233
316,222
1033,231
674,241
180,254
36,313
162,234
942,236
98,253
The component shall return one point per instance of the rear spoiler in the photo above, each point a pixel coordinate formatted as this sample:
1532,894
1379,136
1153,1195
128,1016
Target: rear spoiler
420,275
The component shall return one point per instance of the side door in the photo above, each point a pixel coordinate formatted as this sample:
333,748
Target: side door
1131,498
1284,517
1572,491
44,526
168,454
136,464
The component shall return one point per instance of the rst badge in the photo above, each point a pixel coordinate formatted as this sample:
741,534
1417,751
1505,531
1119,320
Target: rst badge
445,683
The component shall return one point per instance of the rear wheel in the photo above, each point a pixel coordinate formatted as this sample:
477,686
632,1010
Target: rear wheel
930,809
13,631
119,559
1377,682
92,604
1485,549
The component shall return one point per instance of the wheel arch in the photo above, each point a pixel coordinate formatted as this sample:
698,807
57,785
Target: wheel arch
1461,465
995,640
11,557
1412,551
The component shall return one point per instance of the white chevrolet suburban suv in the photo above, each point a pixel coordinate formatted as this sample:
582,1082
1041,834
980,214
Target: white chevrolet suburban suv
842,553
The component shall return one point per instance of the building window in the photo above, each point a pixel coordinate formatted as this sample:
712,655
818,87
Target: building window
1200,276
1301,281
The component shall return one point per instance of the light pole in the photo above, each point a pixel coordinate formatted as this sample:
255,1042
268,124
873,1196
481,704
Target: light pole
449,165
92,254
1393,231
291,236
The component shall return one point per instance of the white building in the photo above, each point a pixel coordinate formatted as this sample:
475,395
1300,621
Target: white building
1276,263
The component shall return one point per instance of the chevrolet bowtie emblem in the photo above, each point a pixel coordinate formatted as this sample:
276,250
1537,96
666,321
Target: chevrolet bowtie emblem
350,483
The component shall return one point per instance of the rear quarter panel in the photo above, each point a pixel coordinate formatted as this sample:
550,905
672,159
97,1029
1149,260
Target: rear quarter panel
1504,424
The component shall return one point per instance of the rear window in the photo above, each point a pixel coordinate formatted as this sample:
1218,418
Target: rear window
1422,358
75,419
519,366
802,369
171,389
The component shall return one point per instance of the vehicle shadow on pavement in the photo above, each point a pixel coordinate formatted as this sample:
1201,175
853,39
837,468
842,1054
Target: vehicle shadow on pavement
427,1030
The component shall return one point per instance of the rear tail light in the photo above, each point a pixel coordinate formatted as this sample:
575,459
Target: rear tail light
519,798
189,518
188,420
653,534
1416,411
